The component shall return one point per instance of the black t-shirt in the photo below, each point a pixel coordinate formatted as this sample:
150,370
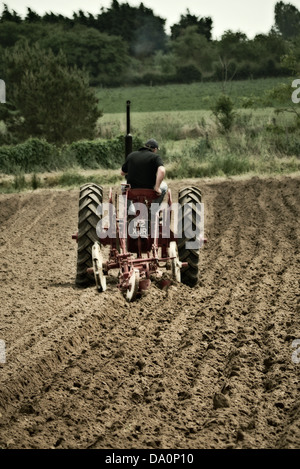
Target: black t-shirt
141,168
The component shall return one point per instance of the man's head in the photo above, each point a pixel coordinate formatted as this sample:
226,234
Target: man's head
152,145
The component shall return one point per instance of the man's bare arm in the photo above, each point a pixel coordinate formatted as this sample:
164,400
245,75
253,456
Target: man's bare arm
161,171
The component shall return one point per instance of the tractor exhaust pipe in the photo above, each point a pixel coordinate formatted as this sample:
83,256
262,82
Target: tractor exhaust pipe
128,138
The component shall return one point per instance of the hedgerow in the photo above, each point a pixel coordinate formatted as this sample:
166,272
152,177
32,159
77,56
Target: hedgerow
37,155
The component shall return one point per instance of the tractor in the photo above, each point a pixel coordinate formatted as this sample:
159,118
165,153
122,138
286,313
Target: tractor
140,246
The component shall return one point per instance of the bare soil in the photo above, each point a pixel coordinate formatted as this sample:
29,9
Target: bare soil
208,367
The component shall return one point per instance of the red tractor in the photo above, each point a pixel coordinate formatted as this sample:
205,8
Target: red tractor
139,246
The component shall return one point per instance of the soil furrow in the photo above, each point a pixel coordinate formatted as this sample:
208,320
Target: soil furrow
215,366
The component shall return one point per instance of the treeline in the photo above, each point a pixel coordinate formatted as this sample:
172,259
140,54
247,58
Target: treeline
129,45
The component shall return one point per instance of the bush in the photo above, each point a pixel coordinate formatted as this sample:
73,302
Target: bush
285,144
37,155
210,165
108,154
188,74
223,111
32,155
75,179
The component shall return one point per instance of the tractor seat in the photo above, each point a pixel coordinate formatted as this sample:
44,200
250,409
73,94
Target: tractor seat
144,196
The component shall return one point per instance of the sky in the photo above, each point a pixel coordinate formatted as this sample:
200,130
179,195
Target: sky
248,16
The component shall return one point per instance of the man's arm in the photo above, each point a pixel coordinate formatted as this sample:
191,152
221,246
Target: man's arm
160,174
124,169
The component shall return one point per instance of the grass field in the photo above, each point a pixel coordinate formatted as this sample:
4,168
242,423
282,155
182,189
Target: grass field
260,142
173,126
180,118
192,97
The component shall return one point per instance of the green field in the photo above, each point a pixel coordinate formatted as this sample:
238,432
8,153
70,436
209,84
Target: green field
180,117
184,97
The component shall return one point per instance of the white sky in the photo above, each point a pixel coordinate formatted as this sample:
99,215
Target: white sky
248,16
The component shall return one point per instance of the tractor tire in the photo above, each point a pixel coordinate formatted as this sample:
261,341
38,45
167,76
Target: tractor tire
189,274
90,198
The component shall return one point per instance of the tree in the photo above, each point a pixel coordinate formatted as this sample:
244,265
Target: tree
10,33
291,60
233,45
231,48
203,25
242,58
138,26
8,16
287,20
287,94
32,16
192,48
224,113
45,97
104,57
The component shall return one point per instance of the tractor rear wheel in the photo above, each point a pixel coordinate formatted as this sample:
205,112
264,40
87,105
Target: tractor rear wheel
192,196
90,198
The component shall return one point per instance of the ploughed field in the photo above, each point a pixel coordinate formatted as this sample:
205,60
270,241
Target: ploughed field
215,366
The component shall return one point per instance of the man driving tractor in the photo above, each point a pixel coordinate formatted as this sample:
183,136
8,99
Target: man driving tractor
144,169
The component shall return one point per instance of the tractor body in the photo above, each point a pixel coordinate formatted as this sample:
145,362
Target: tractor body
138,247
